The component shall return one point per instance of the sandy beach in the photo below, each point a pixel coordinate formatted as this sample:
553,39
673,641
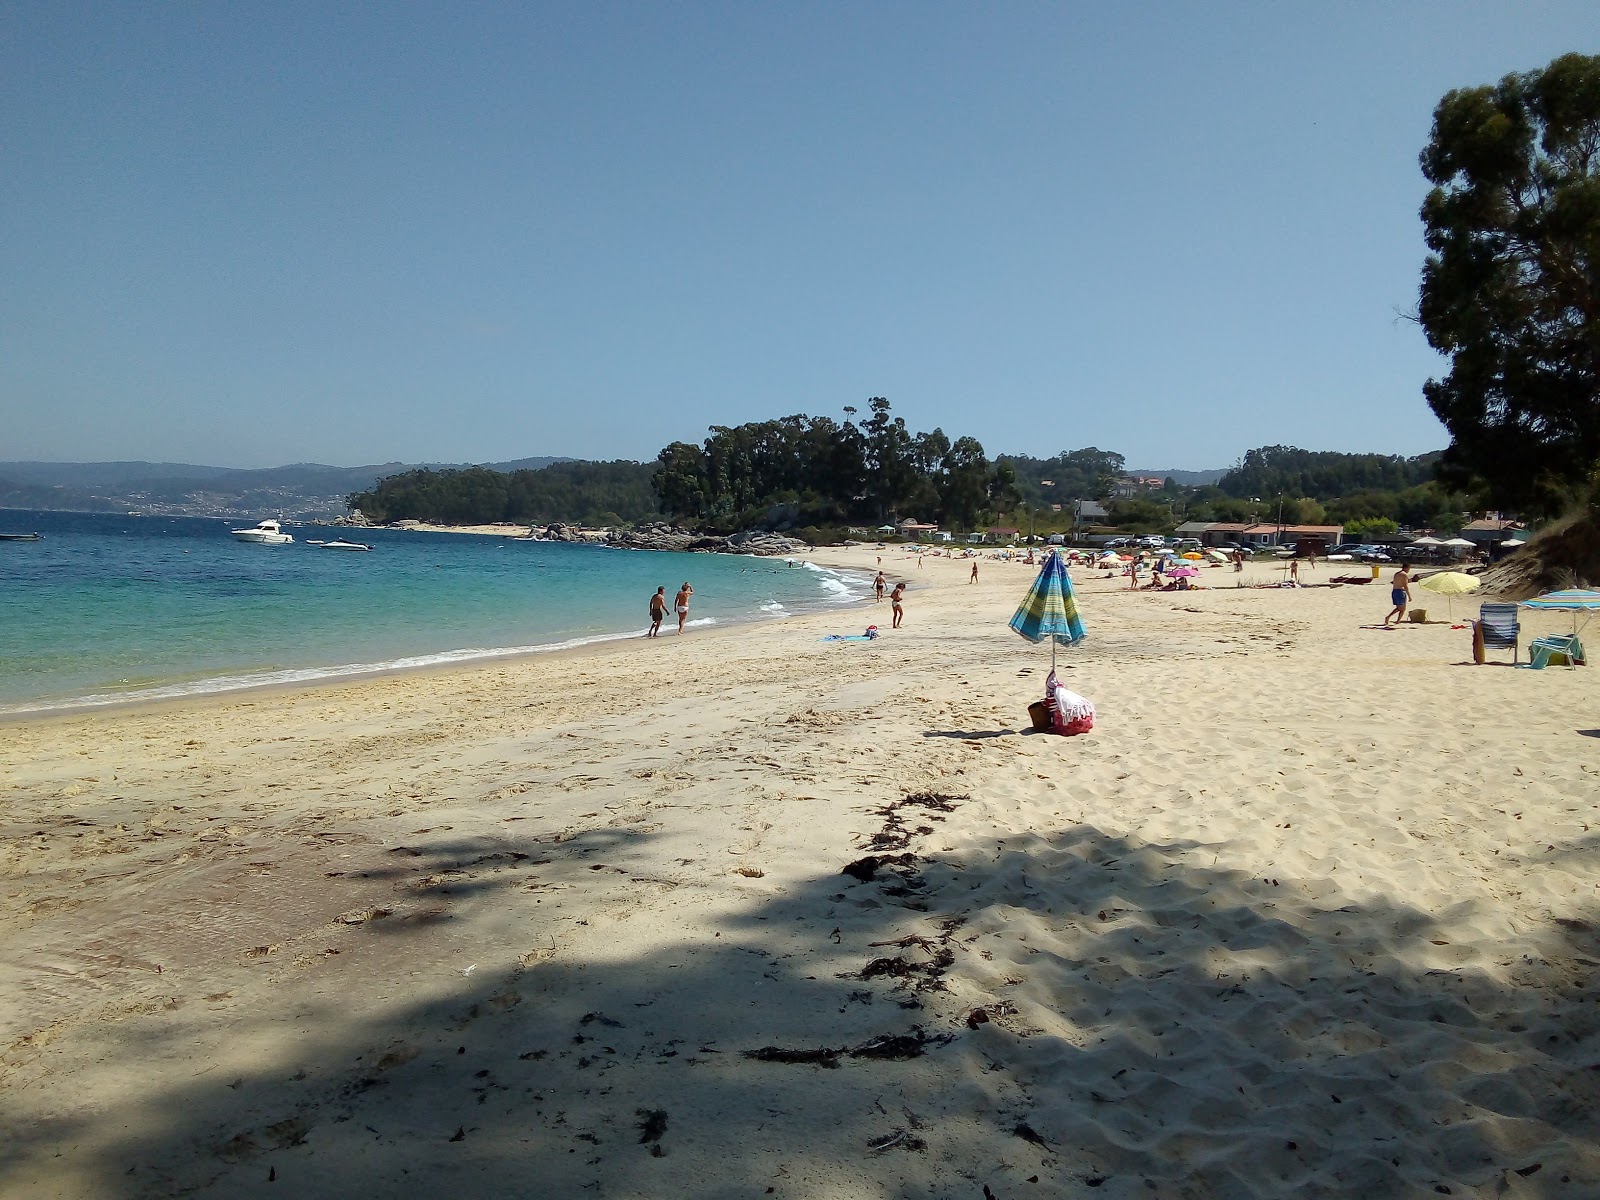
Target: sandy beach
1312,911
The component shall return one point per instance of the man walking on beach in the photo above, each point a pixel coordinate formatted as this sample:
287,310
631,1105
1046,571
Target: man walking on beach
1399,595
974,578
658,611
878,586
681,603
895,598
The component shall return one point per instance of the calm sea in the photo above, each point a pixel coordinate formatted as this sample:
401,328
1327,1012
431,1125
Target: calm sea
110,608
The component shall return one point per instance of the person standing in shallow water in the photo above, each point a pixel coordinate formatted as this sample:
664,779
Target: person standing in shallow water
658,611
895,598
681,603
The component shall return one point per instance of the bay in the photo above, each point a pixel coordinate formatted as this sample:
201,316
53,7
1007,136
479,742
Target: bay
111,608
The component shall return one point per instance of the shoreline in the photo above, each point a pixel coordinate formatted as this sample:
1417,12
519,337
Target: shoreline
441,929
319,678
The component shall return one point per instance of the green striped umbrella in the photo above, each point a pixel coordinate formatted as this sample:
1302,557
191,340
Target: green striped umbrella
1050,610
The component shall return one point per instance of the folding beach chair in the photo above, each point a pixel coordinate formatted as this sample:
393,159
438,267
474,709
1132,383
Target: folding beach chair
1560,648
1498,628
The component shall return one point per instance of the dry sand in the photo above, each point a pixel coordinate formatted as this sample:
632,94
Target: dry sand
1313,911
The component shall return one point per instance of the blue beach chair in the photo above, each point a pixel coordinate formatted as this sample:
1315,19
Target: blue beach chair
1498,628
1563,649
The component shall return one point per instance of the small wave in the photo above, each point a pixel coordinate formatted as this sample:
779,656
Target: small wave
842,587
255,679
773,606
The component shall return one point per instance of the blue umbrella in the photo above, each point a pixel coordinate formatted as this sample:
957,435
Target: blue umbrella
1050,610
1573,600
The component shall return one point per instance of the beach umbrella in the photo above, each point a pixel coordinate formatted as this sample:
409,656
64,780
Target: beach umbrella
1177,572
1460,543
1050,610
1427,541
1193,557
1216,556
1448,584
1573,600
1513,543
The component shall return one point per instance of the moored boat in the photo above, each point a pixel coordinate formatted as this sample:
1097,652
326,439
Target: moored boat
341,544
267,533
21,537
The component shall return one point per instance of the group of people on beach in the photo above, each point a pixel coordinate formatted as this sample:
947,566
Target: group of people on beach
896,597
658,608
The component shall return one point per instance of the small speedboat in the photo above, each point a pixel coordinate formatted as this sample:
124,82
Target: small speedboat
341,544
21,537
267,533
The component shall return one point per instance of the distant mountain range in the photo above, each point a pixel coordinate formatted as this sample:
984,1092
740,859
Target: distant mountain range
302,491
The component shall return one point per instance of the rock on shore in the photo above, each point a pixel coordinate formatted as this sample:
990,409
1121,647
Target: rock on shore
668,537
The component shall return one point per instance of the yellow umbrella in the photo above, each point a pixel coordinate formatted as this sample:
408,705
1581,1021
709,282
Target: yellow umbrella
1450,583
1193,556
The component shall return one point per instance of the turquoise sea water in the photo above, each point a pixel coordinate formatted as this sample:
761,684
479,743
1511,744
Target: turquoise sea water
113,608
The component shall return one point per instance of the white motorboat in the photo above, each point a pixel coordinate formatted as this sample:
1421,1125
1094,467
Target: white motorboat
267,533
341,544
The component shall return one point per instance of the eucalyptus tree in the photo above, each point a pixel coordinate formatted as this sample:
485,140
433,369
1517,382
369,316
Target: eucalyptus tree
1511,287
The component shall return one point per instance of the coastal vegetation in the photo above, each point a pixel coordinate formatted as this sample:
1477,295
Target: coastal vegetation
820,478
1509,294
821,472
594,493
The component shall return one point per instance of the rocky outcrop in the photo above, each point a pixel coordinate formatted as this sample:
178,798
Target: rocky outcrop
667,537
561,532
759,541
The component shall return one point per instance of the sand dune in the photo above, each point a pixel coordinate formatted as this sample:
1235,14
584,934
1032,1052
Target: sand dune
1312,911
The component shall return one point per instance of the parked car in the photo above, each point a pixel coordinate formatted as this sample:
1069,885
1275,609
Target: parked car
1114,543
1152,541
1347,548
1187,543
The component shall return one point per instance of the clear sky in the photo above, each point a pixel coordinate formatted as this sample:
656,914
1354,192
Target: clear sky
251,234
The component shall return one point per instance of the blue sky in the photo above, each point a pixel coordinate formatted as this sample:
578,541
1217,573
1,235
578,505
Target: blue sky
248,234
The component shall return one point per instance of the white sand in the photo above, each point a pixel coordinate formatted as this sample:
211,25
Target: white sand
1313,911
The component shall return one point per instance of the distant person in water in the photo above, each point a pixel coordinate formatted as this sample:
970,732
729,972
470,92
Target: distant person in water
658,611
681,603
896,598
878,585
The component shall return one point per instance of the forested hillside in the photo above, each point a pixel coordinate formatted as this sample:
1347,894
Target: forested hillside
820,472
1323,474
593,493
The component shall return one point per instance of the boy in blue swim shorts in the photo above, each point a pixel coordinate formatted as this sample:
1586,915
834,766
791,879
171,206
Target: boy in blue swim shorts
1399,595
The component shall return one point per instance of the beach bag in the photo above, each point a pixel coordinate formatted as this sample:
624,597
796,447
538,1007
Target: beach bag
1070,713
1039,714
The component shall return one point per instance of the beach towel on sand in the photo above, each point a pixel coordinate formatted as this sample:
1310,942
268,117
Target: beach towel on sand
1069,712
871,635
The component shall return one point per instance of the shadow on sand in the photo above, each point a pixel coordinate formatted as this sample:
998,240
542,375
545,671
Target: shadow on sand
1024,1018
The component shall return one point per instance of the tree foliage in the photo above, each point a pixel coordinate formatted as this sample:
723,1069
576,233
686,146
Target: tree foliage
815,471
1086,474
587,492
1511,287
1269,471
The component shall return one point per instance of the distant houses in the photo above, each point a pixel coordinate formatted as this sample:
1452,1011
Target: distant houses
1490,531
1255,535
